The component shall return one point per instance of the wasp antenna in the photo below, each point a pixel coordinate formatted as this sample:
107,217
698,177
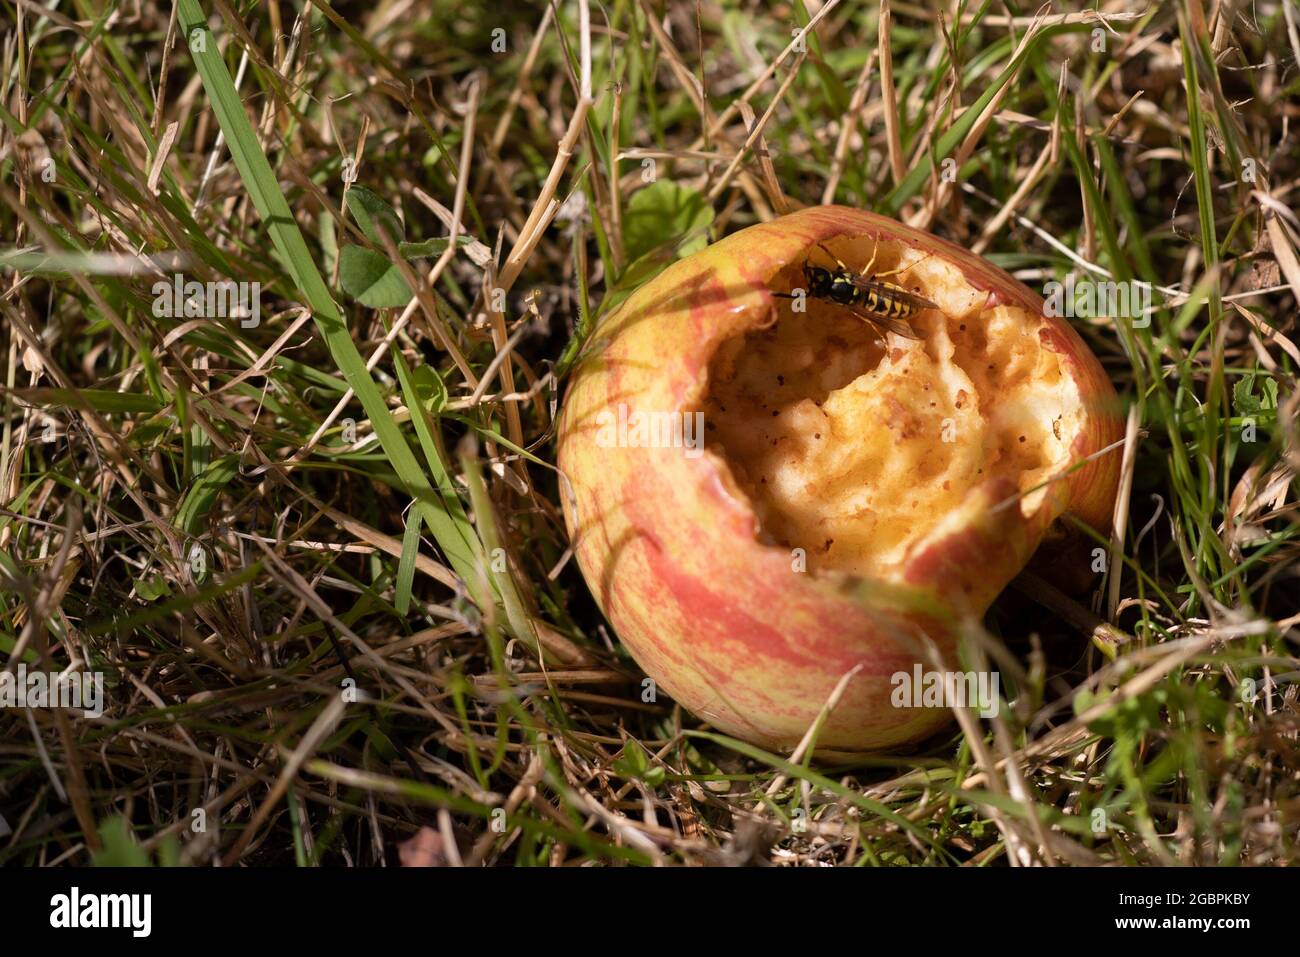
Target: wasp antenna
838,261
894,272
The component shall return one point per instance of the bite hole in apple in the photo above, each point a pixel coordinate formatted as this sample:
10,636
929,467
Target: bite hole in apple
855,448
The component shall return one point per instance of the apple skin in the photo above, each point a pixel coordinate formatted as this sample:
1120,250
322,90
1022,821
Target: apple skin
668,543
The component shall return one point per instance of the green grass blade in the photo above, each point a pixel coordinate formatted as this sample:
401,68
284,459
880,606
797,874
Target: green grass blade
406,565
260,181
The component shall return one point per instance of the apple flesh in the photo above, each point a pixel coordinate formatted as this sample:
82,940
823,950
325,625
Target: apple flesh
765,494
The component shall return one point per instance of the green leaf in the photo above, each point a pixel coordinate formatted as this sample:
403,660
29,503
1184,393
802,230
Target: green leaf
662,213
431,247
373,214
1244,399
151,589
449,524
210,483
318,378
632,761
369,278
406,564
120,848
1246,402
8,644
1085,699
100,400
1270,393
430,388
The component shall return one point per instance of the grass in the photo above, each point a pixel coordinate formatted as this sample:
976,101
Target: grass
357,494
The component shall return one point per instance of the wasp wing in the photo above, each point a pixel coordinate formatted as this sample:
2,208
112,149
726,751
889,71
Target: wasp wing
896,326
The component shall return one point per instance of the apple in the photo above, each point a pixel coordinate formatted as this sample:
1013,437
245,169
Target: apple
767,493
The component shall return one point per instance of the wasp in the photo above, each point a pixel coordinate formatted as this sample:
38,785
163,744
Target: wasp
882,305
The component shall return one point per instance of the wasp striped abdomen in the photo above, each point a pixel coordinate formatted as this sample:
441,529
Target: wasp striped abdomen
891,300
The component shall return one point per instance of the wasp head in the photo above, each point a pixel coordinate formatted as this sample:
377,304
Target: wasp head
819,280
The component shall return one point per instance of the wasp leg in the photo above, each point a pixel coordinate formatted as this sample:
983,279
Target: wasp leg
866,270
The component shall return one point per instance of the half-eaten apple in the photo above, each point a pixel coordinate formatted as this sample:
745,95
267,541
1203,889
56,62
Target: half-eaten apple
767,491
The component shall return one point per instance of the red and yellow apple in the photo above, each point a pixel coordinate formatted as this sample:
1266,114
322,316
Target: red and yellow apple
764,495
